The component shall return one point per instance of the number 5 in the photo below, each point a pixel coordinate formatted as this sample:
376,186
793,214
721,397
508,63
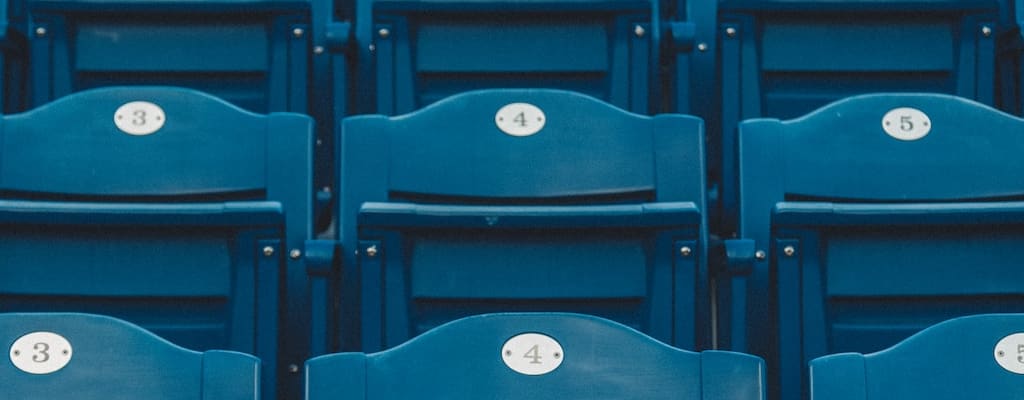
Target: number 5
906,124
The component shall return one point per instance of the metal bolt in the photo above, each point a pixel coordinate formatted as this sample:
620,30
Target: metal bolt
371,251
760,255
702,47
558,355
384,33
293,368
295,254
730,32
40,31
318,50
268,251
298,32
508,353
372,47
639,31
986,31
685,251
1000,353
788,251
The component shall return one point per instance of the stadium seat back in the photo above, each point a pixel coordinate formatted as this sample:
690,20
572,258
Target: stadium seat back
878,216
85,357
589,213
981,356
162,206
783,59
539,355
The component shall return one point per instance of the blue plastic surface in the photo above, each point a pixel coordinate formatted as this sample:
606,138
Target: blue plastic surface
955,359
868,238
602,359
413,53
113,359
782,59
591,214
166,230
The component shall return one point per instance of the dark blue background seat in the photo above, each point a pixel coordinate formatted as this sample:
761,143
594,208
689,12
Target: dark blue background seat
108,358
867,238
599,359
185,231
413,53
600,212
955,359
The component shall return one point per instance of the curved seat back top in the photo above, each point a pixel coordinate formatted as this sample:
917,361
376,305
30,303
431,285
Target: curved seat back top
878,216
575,206
535,356
162,206
979,356
90,357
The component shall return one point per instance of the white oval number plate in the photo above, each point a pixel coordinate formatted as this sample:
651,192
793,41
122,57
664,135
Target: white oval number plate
1009,353
41,353
532,354
906,123
139,118
520,119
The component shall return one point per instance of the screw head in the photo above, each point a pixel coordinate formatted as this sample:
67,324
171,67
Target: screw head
318,50
295,254
639,31
685,251
384,33
730,32
702,47
986,31
298,32
268,251
292,368
371,251
40,31
760,255
789,251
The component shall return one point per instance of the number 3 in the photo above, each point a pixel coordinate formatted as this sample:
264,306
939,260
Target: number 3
42,355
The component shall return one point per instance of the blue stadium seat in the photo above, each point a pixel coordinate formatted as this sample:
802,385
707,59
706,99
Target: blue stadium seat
785,58
162,206
564,356
599,212
975,357
92,357
416,52
868,220
252,53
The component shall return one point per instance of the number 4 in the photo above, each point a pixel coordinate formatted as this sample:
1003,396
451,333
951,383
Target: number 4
533,353
520,119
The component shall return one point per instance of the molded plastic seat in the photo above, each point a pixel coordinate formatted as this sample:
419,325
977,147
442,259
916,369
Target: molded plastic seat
107,358
785,58
599,212
182,230
414,52
875,217
597,358
956,359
